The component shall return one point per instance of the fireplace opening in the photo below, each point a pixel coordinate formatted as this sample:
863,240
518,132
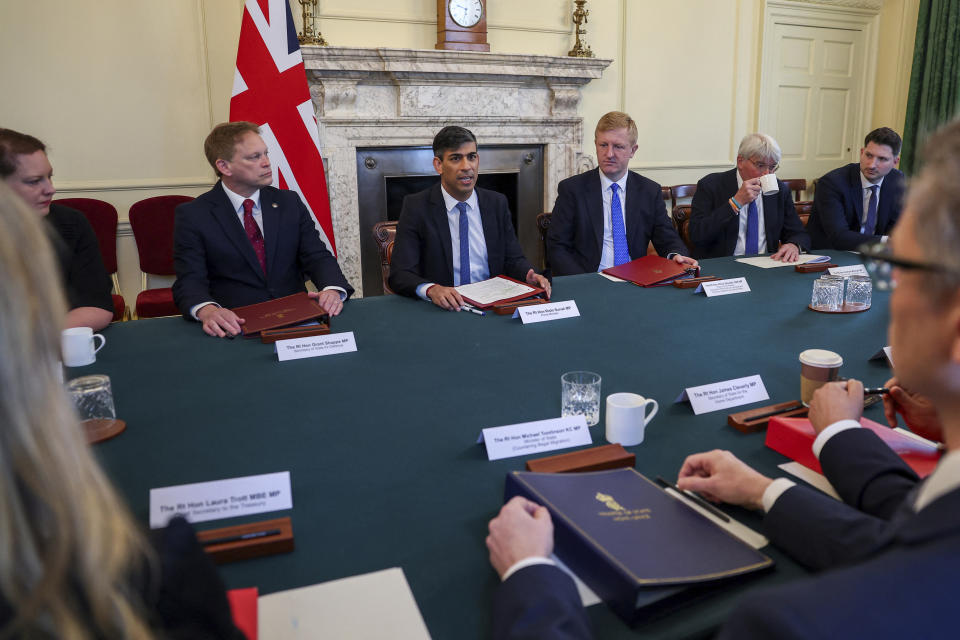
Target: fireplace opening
386,175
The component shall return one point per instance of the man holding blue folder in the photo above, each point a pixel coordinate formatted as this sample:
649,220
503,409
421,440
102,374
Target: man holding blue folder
891,550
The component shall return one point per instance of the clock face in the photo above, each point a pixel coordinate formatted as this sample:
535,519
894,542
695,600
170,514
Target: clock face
465,13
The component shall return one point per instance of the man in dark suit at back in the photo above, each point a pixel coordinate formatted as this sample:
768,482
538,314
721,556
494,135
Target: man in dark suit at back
860,202
455,233
245,242
730,217
608,216
891,550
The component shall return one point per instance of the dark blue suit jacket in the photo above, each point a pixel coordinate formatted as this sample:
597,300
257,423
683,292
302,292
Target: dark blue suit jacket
898,580
714,226
424,249
214,259
575,236
838,209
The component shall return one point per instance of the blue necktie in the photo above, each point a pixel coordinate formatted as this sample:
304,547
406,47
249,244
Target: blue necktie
752,246
870,226
464,244
620,252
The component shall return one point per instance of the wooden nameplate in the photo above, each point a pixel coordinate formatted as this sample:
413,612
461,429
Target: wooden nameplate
285,333
756,419
690,283
508,308
608,456
812,267
275,536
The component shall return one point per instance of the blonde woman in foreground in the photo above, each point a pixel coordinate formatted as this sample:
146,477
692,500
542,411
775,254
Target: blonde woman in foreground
73,563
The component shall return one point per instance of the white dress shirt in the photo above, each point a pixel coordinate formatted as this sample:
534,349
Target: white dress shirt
479,263
741,247
606,254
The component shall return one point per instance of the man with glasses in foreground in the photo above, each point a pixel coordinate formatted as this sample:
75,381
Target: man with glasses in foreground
730,217
892,547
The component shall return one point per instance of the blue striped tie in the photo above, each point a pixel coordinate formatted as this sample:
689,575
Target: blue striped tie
464,244
620,252
753,231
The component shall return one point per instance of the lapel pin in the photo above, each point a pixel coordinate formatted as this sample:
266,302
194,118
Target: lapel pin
274,205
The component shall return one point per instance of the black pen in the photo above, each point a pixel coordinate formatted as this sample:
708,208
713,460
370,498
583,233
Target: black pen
877,391
243,536
700,501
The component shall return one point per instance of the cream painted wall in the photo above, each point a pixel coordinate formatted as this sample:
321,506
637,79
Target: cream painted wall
125,93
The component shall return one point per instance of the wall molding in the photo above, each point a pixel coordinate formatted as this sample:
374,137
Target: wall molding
83,186
432,22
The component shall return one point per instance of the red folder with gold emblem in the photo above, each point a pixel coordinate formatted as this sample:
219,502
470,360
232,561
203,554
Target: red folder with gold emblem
280,312
648,271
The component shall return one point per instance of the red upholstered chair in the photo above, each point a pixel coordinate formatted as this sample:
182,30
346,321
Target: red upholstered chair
152,223
102,216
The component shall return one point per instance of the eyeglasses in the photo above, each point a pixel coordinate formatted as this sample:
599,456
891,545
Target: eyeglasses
762,166
879,262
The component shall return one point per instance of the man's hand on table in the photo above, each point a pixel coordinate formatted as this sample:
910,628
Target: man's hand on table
445,297
219,322
329,300
836,401
721,477
918,412
521,530
534,279
788,252
685,261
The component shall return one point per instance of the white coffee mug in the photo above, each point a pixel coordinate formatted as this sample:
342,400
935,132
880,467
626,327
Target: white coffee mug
627,417
768,184
78,347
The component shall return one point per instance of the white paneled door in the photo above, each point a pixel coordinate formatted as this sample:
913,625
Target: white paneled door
812,94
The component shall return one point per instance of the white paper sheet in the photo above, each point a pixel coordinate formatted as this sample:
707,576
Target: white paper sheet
365,607
489,291
766,262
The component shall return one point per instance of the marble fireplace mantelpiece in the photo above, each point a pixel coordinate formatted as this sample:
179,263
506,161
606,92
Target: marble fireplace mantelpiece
402,97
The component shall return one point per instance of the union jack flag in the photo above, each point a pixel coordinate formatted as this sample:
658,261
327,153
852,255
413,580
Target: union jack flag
270,89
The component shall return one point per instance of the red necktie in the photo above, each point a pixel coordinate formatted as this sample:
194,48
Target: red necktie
253,232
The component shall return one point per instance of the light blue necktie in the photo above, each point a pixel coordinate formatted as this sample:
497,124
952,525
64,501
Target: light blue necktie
464,244
620,252
870,226
753,232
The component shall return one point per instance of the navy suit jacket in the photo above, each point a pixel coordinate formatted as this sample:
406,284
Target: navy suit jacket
575,236
215,261
424,249
901,586
838,209
714,226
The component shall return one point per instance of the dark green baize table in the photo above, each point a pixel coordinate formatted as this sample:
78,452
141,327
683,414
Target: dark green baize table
381,443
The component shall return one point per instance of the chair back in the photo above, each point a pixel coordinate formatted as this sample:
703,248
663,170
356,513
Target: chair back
797,186
804,209
543,224
681,191
102,216
681,220
152,223
385,235
667,194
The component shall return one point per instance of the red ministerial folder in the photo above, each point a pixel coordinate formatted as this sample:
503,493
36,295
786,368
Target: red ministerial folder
280,312
243,606
529,292
648,271
793,437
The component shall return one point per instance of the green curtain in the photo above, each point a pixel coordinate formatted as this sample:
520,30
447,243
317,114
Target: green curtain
935,79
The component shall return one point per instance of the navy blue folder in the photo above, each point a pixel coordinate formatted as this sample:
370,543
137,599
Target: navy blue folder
641,550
